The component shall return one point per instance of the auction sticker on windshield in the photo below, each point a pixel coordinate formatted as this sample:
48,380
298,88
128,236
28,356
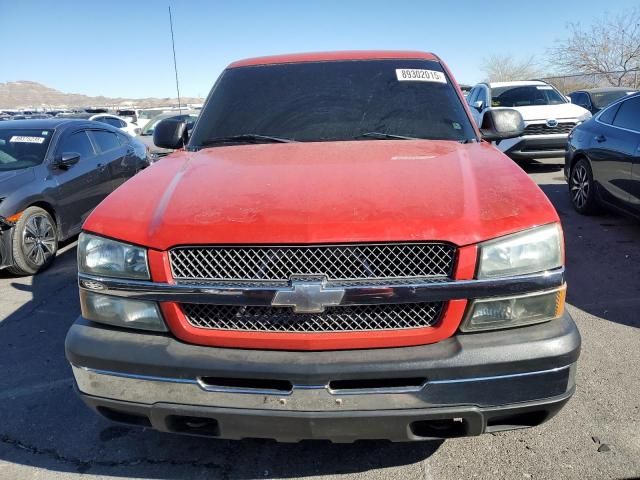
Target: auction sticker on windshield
19,139
418,75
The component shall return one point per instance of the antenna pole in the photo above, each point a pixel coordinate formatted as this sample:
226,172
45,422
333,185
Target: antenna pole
175,64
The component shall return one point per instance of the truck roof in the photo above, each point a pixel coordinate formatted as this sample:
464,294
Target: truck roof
333,56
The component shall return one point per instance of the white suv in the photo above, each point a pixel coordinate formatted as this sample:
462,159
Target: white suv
548,116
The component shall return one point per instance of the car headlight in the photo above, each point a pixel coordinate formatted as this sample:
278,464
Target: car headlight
531,251
516,311
109,258
121,312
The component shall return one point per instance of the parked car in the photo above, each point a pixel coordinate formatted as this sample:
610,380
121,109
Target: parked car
602,165
595,99
146,136
337,255
31,116
548,116
124,125
52,174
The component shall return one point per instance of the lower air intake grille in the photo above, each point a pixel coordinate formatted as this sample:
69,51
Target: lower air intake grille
334,319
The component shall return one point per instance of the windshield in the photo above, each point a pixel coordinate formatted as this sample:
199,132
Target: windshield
149,114
332,101
23,148
602,99
151,126
525,96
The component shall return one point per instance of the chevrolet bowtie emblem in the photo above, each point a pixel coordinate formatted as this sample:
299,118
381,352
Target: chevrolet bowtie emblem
308,297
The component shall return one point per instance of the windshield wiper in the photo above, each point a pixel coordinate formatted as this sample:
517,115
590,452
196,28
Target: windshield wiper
384,136
246,138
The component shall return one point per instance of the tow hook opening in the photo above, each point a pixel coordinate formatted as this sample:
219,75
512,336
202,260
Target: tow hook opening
520,420
206,427
245,384
441,428
124,417
377,384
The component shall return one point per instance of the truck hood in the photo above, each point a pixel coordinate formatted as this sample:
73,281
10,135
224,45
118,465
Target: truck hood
546,112
324,192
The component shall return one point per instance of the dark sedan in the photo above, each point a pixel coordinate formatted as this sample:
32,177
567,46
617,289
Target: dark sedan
595,99
52,174
602,164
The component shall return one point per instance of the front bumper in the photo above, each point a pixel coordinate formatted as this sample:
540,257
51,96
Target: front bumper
6,238
538,146
465,385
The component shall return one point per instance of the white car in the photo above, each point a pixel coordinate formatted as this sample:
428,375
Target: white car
548,116
131,128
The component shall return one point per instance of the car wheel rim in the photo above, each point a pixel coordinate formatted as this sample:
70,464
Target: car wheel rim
580,186
38,240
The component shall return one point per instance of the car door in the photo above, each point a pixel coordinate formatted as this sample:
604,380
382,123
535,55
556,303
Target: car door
80,187
627,120
116,155
613,149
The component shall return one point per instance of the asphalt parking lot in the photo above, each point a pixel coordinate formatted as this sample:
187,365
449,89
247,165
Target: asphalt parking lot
47,433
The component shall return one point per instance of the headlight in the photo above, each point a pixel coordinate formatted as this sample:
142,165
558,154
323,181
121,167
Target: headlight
101,256
583,118
507,312
121,312
532,251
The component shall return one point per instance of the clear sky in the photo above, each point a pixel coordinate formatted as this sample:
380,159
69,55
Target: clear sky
123,48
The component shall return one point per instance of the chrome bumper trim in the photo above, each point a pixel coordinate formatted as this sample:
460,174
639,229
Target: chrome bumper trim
357,294
150,389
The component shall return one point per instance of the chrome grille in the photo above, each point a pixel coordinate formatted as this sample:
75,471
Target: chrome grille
543,129
350,318
335,262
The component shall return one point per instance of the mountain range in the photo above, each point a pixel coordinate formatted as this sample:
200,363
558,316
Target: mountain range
27,94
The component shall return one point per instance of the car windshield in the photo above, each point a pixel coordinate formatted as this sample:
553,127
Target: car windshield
149,114
151,126
525,96
602,99
23,148
333,101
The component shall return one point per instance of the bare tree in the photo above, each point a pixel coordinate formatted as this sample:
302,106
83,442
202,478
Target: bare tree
505,68
609,47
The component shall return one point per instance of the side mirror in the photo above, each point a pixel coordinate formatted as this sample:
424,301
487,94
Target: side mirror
478,105
66,160
501,123
170,133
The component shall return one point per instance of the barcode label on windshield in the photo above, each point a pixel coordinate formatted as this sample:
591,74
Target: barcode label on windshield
19,139
416,75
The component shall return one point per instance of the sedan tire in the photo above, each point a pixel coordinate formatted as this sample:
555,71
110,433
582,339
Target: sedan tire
35,242
582,189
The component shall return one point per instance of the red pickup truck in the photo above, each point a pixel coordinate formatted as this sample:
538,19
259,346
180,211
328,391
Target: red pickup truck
337,253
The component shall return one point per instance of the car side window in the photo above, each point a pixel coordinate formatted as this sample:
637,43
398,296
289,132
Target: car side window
114,122
473,94
77,142
106,140
482,96
609,114
123,139
628,115
578,98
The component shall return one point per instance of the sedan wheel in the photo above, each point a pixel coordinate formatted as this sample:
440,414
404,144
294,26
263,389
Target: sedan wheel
38,240
582,188
35,242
